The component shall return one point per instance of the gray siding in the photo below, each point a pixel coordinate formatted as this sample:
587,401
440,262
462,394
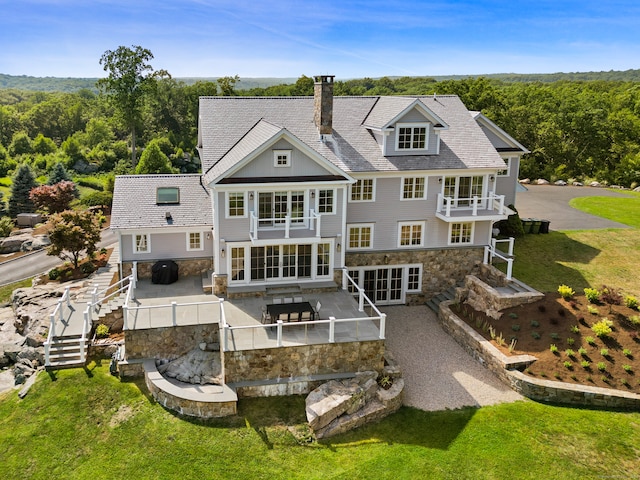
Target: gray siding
165,246
506,185
262,166
414,116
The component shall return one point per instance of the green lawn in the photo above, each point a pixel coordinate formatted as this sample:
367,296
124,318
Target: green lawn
7,290
619,209
87,424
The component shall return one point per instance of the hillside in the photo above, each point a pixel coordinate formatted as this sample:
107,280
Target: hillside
58,84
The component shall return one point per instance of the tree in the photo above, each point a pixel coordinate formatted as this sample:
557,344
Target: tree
153,160
130,78
57,174
73,233
227,85
23,182
53,198
43,145
20,144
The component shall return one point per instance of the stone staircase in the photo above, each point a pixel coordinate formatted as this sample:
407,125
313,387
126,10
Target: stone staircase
434,302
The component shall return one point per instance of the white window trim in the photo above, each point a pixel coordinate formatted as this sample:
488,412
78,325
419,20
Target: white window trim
135,245
424,125
317,201
189,249
471,237
424,195
359,225
422,232
508,169
286,153
228,206
373,191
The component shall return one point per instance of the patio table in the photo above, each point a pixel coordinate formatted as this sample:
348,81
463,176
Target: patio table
293,310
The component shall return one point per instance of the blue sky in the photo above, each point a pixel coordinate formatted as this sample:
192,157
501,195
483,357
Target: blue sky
349,39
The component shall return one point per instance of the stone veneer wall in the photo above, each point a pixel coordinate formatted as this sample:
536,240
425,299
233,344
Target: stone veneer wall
220,285
273,363
506,368
186,267
442,268
168,342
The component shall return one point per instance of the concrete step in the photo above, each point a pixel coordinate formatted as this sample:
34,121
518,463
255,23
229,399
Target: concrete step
434,302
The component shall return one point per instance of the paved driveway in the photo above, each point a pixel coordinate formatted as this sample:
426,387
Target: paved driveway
551,202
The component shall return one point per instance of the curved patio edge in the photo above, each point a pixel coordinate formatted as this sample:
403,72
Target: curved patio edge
204,401
506,368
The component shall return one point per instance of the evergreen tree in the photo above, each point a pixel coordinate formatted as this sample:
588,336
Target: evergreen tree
57,174
23,181
153,160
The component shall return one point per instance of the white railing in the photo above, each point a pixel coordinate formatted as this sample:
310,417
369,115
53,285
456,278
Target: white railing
58,312
475,203
491,251
285,223
199,314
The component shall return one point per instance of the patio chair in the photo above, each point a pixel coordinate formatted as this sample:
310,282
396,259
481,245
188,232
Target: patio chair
277,301
316,309
288,300
284,317
266,317
305,316
297,299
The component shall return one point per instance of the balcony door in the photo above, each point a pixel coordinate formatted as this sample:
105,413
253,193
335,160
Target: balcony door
463,189
273,207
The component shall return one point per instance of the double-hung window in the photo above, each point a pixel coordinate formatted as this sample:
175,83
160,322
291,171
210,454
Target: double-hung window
326,200
411,136
363,190
360,236
236,207
461,233
410,234
413,188
194,241
141,243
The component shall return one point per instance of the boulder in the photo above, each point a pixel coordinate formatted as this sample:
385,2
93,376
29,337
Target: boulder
329,401
637,189
13,243
542,181
594,184
577,184
525,181
35,243
560,183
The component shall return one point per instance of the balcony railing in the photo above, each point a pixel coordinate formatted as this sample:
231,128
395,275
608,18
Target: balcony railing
454,207
285,224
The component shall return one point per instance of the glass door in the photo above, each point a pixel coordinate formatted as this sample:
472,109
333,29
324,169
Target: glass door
265,209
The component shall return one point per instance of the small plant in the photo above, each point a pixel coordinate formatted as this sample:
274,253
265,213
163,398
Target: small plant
582,351
574,378
592,310
627,368
575,329
611,296
631,302
557,375
515,327
634,320
627,353
554,335
590,379
585,364
542,308
624,382
566,292
553,349
534,323
604,352
500,340
385,381
54,274
535,335
568,364
87,268
512,345
602,329
604,379
513,315
492,332
602,366
543,375
486,326
479,322
593,295
590,340
571,341
570,353
102,331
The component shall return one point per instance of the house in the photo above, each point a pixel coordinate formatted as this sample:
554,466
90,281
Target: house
402,191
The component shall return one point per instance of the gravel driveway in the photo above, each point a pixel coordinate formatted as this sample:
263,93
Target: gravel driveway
438,373
551,202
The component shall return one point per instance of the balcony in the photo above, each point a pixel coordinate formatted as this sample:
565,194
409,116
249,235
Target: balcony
284,226
453,210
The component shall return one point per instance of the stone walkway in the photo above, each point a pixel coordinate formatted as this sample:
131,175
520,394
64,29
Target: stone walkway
438,373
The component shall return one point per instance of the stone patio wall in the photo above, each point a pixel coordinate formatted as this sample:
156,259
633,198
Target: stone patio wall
168,342
274,363
186,267
442,268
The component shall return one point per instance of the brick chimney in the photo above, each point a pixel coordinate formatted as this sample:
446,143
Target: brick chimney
323,103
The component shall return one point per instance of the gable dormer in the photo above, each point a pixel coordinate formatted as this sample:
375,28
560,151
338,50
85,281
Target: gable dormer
405,126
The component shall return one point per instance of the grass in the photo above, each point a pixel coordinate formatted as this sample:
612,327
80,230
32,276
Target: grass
87,424
618,209
580,258
7,290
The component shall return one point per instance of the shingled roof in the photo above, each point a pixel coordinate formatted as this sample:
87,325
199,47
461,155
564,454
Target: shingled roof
134,202
224,121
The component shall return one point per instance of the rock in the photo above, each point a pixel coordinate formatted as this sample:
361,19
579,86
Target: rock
525,181
35,243
577,184
28,384
560,183
542,181
33,355
594,184
197,367
327,402
13,243
637,189
11,351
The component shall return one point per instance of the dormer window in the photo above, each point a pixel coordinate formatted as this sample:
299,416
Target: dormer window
282,158
167,195
411,136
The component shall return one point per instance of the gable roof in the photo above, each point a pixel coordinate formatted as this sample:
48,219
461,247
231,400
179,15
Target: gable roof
224,122
389,110
514,145
134,202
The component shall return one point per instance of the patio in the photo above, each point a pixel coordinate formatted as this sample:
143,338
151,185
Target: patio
182,303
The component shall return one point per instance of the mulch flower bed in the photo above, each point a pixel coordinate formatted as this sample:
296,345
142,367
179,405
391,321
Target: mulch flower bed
558,332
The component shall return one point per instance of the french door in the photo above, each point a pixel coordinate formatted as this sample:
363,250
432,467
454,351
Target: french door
273,207
383,285
278,262
463,189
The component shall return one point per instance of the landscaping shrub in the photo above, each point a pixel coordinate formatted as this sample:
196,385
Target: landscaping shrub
6,226
611,296
54,274
602,328
102,331
566,292
592,295
631,302
90,183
